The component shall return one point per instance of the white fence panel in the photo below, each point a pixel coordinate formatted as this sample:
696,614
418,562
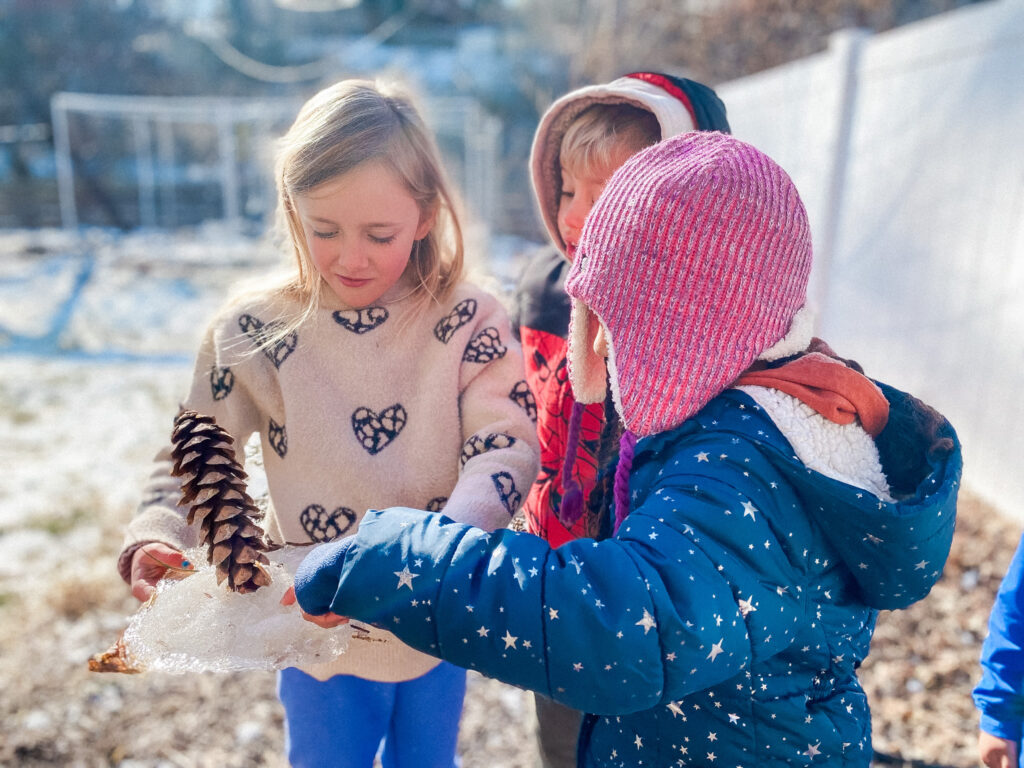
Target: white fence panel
918,213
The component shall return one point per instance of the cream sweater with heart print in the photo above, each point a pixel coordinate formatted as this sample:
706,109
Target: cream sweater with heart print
371,408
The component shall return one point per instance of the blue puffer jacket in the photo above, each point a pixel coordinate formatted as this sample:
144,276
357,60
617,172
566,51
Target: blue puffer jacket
999,695
723,625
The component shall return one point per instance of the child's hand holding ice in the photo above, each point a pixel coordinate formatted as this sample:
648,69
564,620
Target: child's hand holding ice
150,563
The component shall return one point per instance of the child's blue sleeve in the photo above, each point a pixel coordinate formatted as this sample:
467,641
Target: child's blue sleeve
614,627
1000,693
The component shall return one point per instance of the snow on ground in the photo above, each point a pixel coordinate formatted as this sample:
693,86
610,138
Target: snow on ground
81,421
80,437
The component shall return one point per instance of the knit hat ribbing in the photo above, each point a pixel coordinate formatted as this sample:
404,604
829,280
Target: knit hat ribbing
695,259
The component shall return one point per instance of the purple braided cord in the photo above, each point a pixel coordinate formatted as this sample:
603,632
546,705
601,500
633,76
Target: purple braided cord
572,495
621,489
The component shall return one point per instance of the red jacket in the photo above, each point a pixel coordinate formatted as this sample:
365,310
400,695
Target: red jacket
543,323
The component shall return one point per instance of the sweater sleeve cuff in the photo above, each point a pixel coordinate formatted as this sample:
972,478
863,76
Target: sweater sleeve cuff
317,577
124,561
483,500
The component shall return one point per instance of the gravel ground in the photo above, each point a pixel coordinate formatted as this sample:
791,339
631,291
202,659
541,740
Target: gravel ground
77,439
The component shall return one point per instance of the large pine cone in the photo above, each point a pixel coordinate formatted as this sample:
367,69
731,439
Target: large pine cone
213,483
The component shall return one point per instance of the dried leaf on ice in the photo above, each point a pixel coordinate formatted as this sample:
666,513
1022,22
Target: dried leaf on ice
114,659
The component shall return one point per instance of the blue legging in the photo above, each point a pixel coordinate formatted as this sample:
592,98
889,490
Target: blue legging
341,722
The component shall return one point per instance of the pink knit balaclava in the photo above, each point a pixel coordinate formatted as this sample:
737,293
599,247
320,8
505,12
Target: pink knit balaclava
695,258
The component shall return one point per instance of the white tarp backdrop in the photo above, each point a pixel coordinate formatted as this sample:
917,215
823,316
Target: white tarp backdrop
908,148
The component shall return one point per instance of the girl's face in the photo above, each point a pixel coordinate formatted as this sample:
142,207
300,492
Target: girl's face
359,229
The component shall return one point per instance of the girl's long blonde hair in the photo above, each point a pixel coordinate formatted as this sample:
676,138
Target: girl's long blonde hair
341,127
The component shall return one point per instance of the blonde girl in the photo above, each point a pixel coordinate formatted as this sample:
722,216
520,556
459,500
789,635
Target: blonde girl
375,377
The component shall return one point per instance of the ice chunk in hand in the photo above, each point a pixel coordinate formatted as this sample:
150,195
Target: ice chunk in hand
194,625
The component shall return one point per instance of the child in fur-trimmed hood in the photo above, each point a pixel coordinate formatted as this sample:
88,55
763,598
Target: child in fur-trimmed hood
582,139
770,499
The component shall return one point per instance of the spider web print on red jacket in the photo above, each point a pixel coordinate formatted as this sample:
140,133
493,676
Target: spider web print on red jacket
547,376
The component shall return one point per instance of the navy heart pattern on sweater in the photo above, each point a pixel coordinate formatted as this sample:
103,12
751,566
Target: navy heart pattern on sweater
259,332
506,488
321,525
477,445
463,312
361,321
523,397
375,431
485,347
222,381
278,438
436,504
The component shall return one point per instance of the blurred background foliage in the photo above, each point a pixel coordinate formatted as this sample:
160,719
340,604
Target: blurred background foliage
510,56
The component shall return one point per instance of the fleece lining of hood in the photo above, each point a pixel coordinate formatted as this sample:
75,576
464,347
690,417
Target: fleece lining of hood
844,452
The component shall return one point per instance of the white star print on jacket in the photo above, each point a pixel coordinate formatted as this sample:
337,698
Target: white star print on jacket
722,625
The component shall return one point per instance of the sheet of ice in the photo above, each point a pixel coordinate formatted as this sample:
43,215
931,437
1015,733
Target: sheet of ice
194,625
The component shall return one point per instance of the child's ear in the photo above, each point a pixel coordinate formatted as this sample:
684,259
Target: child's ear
427,221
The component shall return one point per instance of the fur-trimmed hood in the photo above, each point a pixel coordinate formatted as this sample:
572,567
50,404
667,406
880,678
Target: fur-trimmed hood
678,104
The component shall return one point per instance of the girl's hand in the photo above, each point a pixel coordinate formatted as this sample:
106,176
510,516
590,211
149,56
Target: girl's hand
325,620
150,563
996,752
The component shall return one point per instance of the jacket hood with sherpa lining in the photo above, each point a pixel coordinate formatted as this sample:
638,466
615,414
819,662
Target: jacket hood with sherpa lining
895,549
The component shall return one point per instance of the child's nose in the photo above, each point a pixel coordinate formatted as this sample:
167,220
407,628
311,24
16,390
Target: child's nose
352,257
